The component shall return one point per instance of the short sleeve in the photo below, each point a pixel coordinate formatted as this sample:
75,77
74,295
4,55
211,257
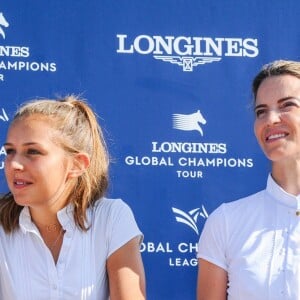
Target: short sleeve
121,227
212,242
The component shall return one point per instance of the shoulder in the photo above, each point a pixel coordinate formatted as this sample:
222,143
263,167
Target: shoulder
113,220
242,204
106,211
109,206
229,217
237,209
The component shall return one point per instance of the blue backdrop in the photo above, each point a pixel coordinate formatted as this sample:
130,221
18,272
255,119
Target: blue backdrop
170,81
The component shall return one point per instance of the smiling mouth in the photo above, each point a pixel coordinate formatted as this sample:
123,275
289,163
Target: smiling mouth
20,183
276,136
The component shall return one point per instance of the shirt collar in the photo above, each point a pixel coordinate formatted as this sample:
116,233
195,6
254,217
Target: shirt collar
280,195
65,218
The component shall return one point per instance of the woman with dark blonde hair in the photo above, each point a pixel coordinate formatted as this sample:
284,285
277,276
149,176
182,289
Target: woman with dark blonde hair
250,248
60,238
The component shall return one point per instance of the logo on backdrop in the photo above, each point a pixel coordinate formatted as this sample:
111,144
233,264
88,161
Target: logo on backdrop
187,51
189,122
3,23
190,218
187,62
16,57
188,159
183,253
2,157
3,116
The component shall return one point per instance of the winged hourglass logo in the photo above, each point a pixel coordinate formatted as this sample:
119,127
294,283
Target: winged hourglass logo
187,62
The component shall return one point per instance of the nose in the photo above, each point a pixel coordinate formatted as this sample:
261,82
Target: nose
273,117
15,164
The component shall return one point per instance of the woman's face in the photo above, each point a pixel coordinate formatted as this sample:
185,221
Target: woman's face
277,123
36,168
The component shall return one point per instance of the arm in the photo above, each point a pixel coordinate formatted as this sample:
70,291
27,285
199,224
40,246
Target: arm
212,281
126,272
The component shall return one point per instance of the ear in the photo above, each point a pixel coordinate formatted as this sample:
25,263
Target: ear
80,163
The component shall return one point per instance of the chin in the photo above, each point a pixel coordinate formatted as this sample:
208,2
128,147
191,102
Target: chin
277,157
21,201
276,154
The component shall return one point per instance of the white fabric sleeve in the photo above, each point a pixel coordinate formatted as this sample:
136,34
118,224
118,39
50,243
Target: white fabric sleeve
212,242
6,289
122,226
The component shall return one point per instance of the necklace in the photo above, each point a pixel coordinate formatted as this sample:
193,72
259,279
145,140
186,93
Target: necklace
50,227
52,246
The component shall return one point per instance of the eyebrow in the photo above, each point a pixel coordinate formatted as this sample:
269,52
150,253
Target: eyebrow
25,144
279,101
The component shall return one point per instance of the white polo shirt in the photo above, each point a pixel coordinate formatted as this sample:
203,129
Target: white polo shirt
257,241
28,271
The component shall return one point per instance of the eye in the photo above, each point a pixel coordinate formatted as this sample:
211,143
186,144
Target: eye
289,104
9,151
33,151
259,113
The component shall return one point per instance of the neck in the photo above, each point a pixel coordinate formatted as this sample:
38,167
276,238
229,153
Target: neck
46,221
287,175
49,227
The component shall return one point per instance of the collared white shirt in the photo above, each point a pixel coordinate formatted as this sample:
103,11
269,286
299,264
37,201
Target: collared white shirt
27,268
257,241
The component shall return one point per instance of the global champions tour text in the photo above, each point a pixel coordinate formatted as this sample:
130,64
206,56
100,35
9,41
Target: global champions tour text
191,155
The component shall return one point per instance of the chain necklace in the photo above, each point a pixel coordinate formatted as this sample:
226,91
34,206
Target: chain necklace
51,228
53,245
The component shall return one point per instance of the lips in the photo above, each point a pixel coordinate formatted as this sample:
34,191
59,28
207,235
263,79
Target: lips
19,183
276,136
